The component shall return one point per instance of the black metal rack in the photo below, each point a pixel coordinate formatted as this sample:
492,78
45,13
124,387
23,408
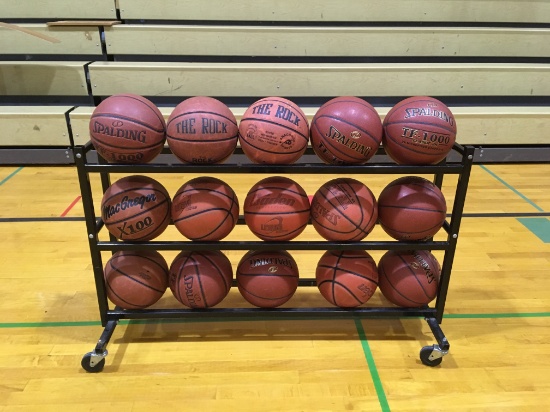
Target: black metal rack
459,162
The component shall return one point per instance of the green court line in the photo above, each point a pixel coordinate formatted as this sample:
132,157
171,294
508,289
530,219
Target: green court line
11,175
8,325
372,367
517,192
539,226
496,315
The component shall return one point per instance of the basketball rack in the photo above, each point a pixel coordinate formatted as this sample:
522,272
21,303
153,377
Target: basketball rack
459,162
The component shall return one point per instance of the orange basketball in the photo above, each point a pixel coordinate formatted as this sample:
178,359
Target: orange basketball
267,279
200,279
136,208
419,130
344,209
136,279
274,130
127,128
205,208
346,130
202,130
409,278
411,208
276,208
347,278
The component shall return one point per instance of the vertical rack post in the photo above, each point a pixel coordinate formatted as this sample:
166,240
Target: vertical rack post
456,218
92,229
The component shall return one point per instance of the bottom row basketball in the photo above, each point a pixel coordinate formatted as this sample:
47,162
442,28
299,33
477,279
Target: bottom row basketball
138,279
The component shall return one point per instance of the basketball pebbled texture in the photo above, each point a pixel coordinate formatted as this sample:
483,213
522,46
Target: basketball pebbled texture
346,130
202,129
347,278
267,279
136,279
136,208
274,130
419,130
409,278
200,279
411,208
344,209
277,209
205,208
127,128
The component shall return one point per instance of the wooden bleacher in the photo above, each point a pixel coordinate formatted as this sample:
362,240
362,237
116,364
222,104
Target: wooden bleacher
489,64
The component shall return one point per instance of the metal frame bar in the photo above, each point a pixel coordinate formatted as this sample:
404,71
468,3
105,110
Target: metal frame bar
433,315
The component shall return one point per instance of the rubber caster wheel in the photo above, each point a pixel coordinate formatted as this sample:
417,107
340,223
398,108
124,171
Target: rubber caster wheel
92,363
431,355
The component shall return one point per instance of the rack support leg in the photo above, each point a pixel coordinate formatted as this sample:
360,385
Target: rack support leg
95,361
433,355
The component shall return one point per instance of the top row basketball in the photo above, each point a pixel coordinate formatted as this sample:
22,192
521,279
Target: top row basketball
127,128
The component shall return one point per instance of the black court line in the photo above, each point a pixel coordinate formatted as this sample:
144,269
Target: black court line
41,219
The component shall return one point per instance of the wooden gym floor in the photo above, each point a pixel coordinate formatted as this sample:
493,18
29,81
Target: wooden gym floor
497,319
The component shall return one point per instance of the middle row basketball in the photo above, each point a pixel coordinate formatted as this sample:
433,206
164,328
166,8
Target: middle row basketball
139,208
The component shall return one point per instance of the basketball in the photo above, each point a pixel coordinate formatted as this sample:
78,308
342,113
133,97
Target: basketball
202,130
267,279
411,208
343,209
274,130
419,131
205,208
136,279
347,278
127,128
409,278
276,208
346,130
136,208
200,279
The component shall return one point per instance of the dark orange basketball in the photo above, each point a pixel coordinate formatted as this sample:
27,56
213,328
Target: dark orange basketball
346,130
347,278
205,208
127,128
267,279
411,208
200,279
202,130
409,278
136,208
136,279
344,209
274,130
419,130
276,208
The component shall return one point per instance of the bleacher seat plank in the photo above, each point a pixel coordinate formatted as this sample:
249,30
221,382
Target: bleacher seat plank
475,11
326,41
34,126
484,126
58,9
324,79
43,78
72,40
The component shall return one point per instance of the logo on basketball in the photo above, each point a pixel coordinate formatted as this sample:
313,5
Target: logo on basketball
422,264
251,132
355,134
273,225
117,123
287,141
192,298
126,203
273,269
